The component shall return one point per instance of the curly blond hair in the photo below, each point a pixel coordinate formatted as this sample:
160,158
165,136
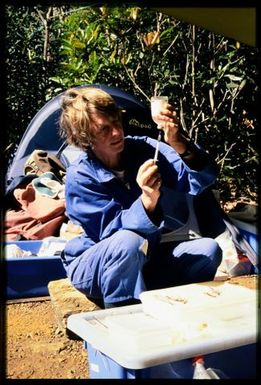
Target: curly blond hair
77,107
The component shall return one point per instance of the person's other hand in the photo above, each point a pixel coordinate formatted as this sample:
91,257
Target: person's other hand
168,121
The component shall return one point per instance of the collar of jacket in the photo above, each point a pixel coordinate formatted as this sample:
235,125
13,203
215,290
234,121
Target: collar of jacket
103,173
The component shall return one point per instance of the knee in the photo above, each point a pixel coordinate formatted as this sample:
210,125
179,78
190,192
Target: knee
130,243
126,252
213,250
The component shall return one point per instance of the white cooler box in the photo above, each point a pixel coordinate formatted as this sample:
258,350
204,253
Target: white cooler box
160,337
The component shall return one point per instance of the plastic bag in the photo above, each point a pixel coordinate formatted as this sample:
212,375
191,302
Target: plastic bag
233,263
201,373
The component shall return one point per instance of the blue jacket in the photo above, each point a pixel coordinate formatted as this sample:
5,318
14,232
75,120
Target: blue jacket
102,204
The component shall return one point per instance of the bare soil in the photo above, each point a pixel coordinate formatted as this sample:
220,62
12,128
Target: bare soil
35,349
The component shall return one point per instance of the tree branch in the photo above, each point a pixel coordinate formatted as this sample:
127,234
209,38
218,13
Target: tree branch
132,78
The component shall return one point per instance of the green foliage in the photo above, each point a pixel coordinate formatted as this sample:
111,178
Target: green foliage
23,68
211,80
30,51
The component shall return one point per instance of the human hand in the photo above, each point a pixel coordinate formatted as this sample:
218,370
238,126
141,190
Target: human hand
168,121
149,180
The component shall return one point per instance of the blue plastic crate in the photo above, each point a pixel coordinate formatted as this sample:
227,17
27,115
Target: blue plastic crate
101,366
29,276
236,363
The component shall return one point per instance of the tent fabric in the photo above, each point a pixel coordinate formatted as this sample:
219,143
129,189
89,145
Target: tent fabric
43,131
237,23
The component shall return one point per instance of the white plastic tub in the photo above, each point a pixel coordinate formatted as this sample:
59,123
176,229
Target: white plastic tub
118,338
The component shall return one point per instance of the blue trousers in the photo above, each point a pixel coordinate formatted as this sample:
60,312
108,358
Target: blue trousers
120,267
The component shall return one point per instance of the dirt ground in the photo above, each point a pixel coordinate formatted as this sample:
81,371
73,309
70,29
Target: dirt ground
35,349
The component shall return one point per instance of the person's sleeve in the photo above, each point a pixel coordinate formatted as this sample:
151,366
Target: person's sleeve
90,204
185,178
200,180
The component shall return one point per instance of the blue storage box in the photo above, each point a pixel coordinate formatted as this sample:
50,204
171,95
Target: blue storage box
101,366
29,276
238,363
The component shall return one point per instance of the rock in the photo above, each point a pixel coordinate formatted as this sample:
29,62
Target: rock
66,300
